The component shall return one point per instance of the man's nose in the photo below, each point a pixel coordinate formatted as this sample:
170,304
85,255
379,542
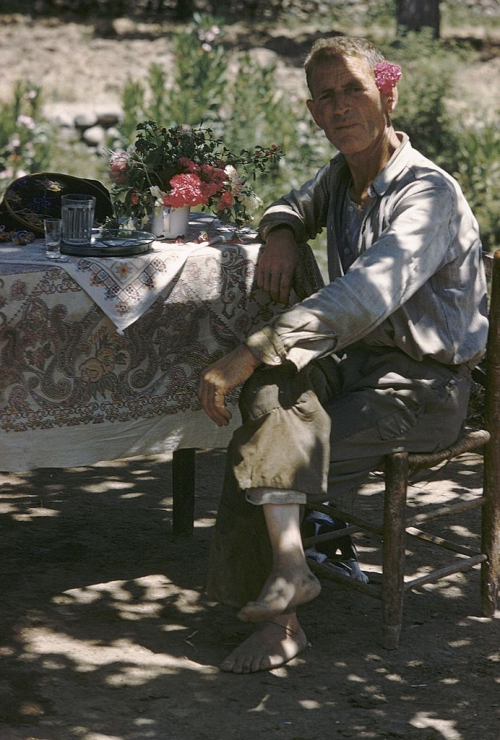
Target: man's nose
340,104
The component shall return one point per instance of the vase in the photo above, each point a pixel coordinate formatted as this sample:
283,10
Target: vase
170,223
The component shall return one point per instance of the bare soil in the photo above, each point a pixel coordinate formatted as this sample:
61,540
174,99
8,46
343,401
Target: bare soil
106,632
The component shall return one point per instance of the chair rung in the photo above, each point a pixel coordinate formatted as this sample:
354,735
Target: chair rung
348,517
334,535
442,542
445,571
445,511
335,575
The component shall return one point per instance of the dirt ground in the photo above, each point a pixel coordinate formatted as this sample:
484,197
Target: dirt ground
106,633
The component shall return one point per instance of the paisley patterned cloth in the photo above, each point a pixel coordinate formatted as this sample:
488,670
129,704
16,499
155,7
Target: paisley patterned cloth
74,390
125,287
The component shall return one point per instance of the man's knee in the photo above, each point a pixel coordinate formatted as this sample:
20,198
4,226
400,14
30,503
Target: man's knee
272,388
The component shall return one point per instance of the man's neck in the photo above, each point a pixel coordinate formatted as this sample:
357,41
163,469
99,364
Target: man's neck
367,165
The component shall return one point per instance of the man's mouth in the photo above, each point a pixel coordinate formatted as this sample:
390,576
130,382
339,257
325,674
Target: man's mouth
344,126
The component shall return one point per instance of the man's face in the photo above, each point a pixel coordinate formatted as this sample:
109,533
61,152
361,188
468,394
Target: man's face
347,105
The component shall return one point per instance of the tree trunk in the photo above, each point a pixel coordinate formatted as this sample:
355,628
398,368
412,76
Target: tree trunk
414,15
184,10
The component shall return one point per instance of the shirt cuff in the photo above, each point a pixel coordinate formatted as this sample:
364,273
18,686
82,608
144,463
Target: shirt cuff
267,346
275,217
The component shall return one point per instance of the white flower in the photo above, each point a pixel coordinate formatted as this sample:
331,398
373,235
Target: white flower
235,180
127,223
27,121
251,201
158,195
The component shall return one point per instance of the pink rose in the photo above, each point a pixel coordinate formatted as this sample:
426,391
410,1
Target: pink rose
118,167
386,76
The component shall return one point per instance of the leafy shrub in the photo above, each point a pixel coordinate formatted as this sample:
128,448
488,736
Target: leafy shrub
245,104
232,94
195,90
469,150
25,138
478,170
422,112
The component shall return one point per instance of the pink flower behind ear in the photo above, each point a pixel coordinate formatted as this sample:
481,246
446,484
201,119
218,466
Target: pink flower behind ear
386,76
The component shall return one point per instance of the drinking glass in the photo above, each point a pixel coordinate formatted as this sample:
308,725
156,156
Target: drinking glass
53,231
77,212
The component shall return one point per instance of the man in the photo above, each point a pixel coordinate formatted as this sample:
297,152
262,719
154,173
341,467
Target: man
376,361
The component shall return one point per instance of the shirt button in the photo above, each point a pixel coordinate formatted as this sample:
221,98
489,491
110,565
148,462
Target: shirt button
347,251
351,208
276,360
347,231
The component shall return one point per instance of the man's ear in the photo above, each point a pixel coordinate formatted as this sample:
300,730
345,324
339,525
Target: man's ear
312,110
392,100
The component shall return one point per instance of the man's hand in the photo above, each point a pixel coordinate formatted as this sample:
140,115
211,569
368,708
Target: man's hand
221,377
277,264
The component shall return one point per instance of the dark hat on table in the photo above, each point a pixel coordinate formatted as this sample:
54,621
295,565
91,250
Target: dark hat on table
30,199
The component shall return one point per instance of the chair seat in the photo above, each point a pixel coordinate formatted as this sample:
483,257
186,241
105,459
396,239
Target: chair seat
470,439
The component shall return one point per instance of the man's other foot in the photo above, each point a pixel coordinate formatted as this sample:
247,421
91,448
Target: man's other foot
273,645
283,592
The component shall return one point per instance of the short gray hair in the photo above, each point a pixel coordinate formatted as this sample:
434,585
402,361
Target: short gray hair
339,47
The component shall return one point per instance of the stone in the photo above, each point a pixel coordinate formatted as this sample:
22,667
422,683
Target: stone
94,136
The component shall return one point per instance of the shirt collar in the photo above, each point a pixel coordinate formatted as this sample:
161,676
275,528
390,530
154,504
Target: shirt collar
393,168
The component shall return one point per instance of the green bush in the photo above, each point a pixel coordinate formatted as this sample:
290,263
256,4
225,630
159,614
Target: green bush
195,88
478,171
245,104
233,95
468,148
25,137
422,111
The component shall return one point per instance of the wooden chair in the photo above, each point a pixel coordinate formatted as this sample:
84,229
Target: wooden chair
396,526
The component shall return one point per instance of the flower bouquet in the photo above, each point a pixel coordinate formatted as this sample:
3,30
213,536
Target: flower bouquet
183,166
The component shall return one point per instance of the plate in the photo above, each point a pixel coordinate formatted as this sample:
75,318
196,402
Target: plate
112,243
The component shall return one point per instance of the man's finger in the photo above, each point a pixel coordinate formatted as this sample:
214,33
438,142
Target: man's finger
213,402
284,291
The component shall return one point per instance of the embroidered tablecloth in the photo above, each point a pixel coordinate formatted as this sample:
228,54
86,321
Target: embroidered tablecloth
74,390
125,287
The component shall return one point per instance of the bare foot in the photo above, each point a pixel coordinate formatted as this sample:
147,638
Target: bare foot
274,644
283,591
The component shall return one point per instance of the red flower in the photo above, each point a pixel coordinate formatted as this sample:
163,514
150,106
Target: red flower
189,164
225,201
186,190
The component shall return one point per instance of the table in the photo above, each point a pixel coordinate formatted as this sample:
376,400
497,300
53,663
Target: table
80,384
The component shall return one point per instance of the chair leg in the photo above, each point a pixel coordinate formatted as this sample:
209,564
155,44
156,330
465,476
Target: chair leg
393,555
490,569
183,485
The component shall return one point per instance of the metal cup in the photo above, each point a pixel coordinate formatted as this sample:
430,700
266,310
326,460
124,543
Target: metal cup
77,211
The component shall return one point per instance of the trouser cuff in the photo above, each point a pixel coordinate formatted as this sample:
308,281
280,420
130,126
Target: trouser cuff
259,496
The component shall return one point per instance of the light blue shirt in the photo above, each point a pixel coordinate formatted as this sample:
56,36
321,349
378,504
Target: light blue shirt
418,282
